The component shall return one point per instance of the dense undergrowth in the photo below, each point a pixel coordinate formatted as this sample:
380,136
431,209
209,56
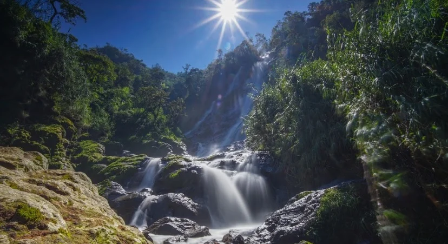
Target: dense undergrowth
379,97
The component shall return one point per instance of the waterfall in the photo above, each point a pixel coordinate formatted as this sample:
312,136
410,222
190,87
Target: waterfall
224,200
222,125
139,217
150,172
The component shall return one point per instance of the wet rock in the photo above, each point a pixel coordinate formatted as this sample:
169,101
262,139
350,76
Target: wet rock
233,238
290,223
177,226
125,205
212,241
176,205
147,191
175,239
239,239
152,148
148,237
180,177
113,191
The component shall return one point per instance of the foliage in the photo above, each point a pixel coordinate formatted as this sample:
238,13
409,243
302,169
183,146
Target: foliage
296,120
343,216
39,67
392,87
383,88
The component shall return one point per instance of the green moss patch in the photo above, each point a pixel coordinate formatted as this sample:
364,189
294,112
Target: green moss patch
28,215
303,194
87,152
174,174
345,215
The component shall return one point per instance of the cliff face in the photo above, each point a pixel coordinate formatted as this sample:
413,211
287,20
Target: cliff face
38,205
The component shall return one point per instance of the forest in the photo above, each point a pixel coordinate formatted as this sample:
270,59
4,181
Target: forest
355,89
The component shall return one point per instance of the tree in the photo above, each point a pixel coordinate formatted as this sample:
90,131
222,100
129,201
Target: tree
52,10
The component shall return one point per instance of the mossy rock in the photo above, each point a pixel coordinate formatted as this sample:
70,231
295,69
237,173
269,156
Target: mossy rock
120,169
87,152
48,135
67,124
28,215
345,215
15,158
57,206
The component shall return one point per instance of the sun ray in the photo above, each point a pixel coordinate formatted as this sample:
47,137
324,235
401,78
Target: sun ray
207,20
215,2
222,35
241,3
240,29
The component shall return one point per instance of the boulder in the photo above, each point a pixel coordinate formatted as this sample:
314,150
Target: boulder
158,206
112,191
340,214
176,239
15,158
180,177
177,226
176,205
56,206
126,205
233,237
212,241
290,223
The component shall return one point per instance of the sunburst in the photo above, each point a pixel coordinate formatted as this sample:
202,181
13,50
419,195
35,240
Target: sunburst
227,13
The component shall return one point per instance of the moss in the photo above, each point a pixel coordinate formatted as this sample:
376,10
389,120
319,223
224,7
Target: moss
13,185
68,177
345,215
65,232
48,135
87,152
303,194
175,158
116,168
28,215
68,126
102,186
212,157
174,174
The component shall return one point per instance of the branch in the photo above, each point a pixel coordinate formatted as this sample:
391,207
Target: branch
55,13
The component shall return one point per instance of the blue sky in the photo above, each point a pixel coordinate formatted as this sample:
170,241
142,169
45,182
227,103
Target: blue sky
162,31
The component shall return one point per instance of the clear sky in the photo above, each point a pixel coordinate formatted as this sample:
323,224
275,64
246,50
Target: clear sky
162,31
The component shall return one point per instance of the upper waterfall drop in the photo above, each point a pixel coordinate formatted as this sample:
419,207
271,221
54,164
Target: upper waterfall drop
222,123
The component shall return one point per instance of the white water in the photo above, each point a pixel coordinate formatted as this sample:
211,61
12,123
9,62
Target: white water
150,172
216,234
139,217
229,128
225,202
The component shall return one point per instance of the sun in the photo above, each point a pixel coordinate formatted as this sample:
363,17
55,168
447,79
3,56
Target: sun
227,14
228,10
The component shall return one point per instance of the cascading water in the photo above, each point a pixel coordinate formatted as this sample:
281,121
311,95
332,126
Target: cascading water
150,172
225,202
234,191
222,123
